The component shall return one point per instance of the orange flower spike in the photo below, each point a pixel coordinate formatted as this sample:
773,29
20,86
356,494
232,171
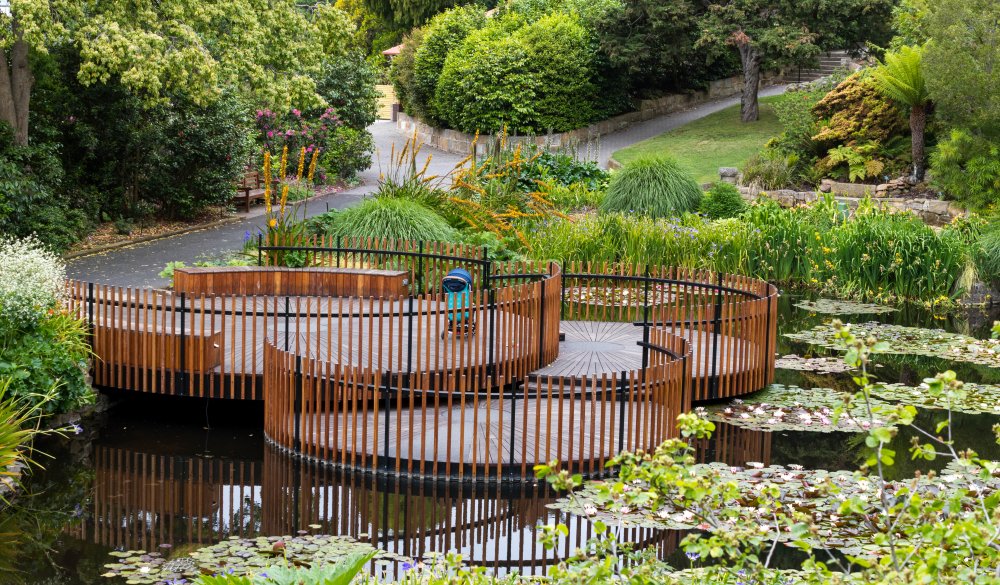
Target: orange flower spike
284,161
284,197
302,164
312,164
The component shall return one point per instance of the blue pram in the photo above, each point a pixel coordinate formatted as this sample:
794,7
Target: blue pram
457,285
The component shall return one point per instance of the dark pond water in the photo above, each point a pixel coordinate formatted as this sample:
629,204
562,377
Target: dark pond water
175,476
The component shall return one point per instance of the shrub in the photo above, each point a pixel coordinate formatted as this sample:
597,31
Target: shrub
575,197
654,187
855,111
722,201
967,169
32,281
401,74
386,217
986,254
560,60
348,152
347,83
769,170
443,33
487,85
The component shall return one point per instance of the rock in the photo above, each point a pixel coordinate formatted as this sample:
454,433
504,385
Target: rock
826,186
729,174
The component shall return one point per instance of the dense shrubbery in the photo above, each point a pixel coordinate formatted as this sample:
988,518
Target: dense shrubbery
967,168
986,252
870,255
654,187
41,346
723,201
445,32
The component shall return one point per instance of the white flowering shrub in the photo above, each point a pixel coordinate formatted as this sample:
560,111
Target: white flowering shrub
32,281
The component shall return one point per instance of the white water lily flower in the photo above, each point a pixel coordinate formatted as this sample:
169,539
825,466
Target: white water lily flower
755,464
795,467
744,415
589,510
728,410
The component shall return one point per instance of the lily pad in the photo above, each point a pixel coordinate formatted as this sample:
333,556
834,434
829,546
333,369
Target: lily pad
790,408
835,307
971,399
239,556
818,365
913,341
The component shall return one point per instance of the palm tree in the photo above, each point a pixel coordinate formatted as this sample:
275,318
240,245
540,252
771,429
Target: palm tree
901,79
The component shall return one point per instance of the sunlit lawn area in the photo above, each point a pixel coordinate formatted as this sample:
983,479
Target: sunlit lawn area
717,140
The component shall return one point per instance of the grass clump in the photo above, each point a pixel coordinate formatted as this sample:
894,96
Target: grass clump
723,201
986,254
386,217
655,187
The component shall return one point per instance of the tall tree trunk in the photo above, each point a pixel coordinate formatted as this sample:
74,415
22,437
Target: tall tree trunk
918,121
16,80
751,59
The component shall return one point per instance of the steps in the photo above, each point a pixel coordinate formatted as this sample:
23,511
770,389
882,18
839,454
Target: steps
829,63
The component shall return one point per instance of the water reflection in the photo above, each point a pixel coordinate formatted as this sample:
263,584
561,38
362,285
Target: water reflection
162,487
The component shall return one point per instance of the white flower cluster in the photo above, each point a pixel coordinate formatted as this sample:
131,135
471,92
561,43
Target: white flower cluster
32,280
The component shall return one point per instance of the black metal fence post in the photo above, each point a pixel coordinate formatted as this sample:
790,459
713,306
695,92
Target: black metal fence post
645,321
491,295
420,269
386,390
182,350
260,249
713,383
487,268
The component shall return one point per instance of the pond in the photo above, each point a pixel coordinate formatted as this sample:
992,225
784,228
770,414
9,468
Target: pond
173,476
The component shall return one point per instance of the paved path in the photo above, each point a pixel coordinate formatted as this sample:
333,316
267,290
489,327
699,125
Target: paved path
139,265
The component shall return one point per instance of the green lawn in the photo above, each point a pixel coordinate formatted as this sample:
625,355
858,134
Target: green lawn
717,140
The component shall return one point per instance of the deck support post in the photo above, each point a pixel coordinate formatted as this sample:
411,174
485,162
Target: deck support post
513,424
288,311
386,388
645,321
420,269
541,325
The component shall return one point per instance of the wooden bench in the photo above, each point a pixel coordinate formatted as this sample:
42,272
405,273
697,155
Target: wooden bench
279,281
250,189
158,348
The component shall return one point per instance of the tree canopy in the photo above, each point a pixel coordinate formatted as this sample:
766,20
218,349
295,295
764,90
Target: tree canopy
773,33
269,49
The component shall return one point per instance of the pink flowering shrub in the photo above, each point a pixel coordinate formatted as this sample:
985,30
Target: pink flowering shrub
295,130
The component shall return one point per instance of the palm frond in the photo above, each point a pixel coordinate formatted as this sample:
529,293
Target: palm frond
900,77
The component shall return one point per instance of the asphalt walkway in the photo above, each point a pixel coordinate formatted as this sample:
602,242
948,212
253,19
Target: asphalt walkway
139,265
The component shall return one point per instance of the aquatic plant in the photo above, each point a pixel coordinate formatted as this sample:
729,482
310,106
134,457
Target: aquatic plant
838,307
655,187
818,365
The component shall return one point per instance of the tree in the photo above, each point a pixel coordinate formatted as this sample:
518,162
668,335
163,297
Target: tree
962,64
409,13
901,79
772,33
195,49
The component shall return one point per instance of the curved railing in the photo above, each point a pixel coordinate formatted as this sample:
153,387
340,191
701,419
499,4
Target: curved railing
398,385
356,418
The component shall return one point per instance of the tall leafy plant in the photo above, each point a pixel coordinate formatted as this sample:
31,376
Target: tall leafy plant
657,187
900,77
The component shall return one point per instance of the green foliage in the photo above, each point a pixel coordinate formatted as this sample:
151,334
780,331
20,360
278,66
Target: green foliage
967,169
770,170
560,61
49,354
19,420
863,161
348,152
654,187
564,169
960,63
442,34
403,76
342,572
900,77
487,85
392,218
29,179
986,253
909,21
723,201
575,197
347,83
855,111
408,13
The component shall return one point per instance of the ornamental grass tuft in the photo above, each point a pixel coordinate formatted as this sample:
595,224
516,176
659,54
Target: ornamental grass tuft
655,187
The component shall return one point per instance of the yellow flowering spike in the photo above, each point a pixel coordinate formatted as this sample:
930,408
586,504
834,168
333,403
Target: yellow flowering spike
272,223
284,161
284,197
312,164
302,164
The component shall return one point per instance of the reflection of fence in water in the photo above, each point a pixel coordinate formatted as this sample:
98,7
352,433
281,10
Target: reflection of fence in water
735,446
142,501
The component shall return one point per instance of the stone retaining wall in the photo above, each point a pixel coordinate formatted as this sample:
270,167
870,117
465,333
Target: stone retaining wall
932,211
461,143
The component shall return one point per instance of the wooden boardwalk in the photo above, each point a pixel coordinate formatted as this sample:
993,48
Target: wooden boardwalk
596,347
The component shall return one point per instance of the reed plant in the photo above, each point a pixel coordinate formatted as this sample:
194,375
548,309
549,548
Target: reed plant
657,187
